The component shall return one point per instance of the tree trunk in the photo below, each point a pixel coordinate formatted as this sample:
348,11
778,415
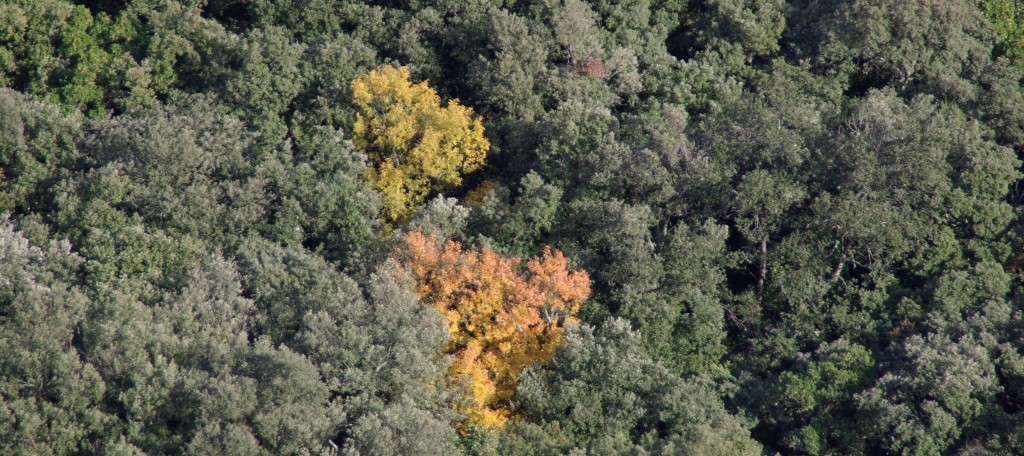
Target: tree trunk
762,270
838,271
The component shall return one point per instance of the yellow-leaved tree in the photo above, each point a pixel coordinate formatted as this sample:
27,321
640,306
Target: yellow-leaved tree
500,319
416,144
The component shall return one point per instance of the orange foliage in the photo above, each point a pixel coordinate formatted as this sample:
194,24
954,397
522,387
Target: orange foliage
500,319
476,196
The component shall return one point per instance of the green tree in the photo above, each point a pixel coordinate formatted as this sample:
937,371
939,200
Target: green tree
923,406
805,399
37,149
51,399
1007,17
59,51
608,396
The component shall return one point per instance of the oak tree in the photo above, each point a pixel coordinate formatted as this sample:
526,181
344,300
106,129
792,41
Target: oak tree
416,145
500,320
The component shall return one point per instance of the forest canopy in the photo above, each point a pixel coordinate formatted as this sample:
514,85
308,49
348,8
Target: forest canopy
544,227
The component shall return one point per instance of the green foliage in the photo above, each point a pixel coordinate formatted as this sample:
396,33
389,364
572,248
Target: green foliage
60,52
607,397
824,388
378,353
50,399
518,227
695,282
37,150
922,407
322,199
803,221
915,46
188,166
750,27
1007,17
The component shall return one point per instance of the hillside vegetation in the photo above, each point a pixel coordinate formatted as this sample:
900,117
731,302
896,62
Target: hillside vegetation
319,227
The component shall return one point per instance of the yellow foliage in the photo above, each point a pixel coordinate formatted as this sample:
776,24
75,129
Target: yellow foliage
500,320
416,145
476,196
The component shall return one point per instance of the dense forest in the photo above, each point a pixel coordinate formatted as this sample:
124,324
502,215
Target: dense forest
412,227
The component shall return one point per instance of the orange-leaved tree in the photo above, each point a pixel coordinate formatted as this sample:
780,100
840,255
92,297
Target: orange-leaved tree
500,318
416,145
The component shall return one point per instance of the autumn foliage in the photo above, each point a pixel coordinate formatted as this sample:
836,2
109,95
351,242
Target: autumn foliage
416,144
500,319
